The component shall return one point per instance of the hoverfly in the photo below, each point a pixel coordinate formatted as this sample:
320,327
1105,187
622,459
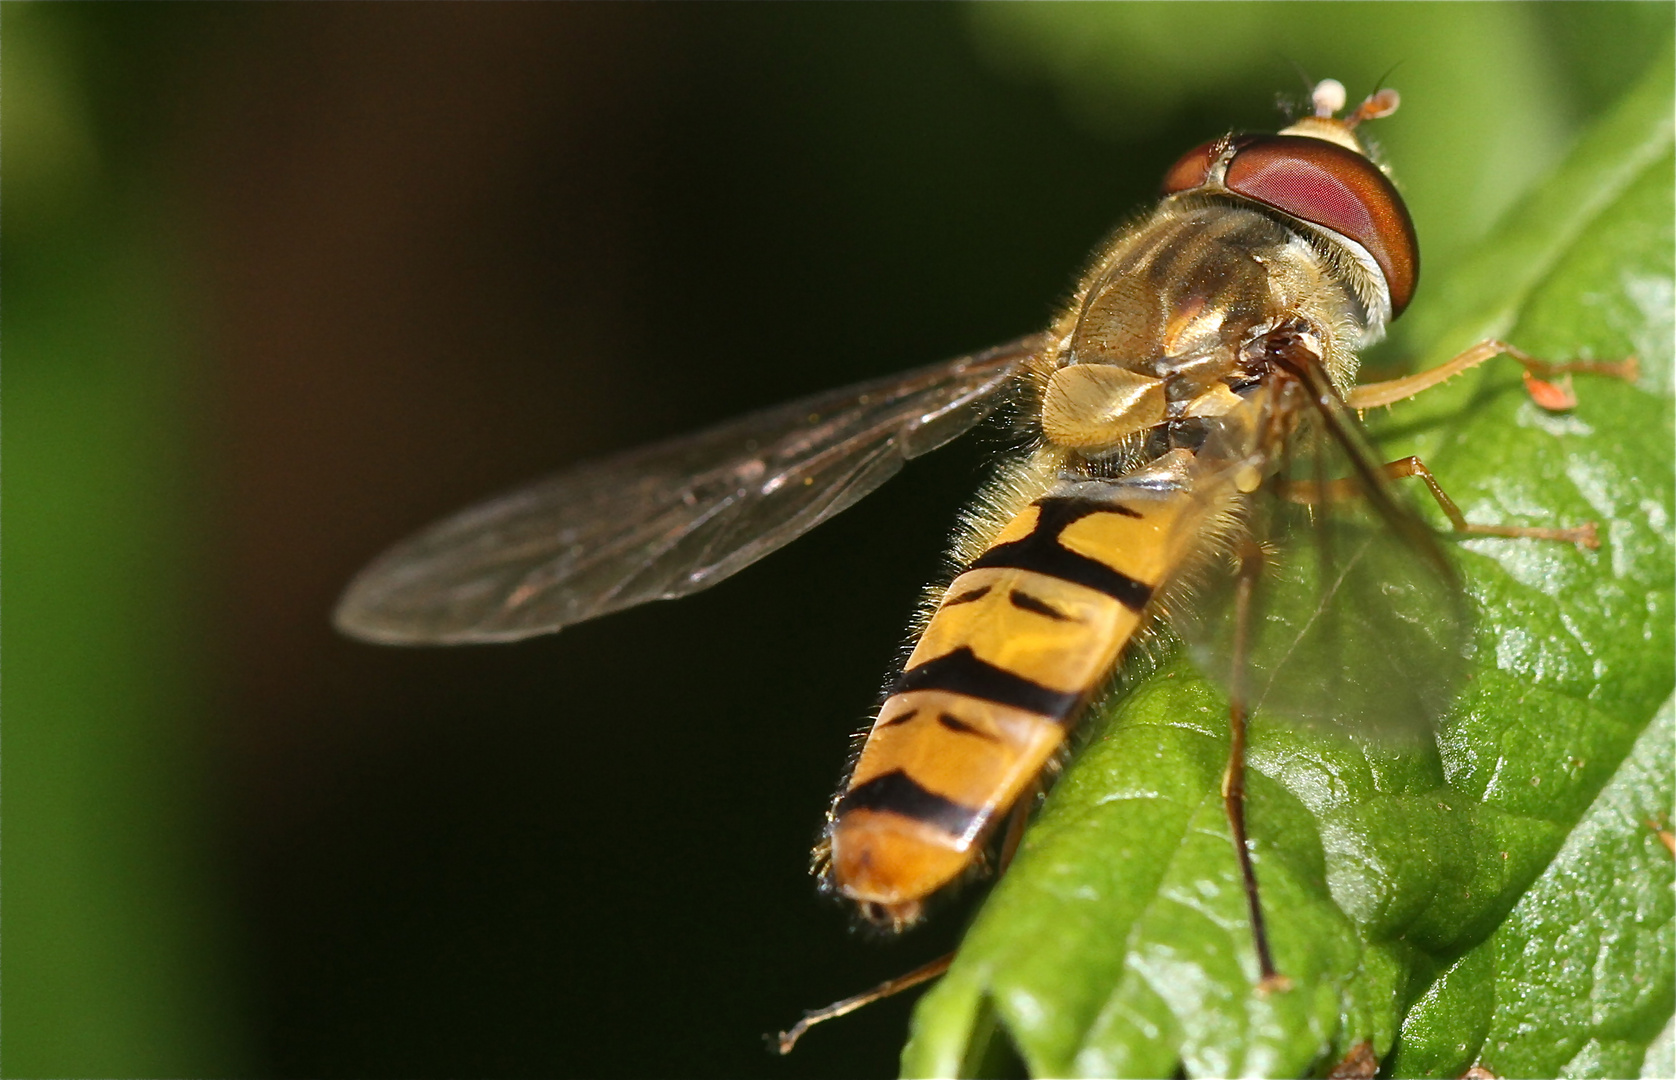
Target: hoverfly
1196,396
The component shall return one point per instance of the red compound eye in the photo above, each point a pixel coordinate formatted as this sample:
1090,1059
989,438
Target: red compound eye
1333,187
1189,172
1191,168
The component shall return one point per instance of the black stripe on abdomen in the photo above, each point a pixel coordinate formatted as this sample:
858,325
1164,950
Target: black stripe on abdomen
896,792
1041,553
961,672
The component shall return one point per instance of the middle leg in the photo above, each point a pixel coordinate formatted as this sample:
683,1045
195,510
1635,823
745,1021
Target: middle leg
1403,468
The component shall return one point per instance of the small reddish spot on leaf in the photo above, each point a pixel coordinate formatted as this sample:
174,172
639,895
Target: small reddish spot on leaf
1553,396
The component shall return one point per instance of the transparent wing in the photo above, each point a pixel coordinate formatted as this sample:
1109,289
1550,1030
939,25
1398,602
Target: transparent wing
1358,619
669,519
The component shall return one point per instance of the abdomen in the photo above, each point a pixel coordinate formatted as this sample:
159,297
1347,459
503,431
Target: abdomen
1017,646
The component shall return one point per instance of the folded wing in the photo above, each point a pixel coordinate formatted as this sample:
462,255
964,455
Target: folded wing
1359,623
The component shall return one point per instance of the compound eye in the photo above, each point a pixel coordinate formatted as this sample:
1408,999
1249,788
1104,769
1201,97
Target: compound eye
1336,188
1193,167
1189,172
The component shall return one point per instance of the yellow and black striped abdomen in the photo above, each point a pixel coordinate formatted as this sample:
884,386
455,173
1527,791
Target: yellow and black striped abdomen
1018,644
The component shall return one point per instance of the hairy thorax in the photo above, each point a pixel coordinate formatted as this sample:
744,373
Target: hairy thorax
1172,325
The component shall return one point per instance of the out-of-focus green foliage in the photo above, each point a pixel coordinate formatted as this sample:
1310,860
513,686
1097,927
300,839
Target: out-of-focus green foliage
113,962
1507,881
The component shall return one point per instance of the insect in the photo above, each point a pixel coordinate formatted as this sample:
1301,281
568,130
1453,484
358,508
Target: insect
1193,454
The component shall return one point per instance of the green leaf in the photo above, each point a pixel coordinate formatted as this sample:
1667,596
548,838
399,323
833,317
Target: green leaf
1495,897
1577,980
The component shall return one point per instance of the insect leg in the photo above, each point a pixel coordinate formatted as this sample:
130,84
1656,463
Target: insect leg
1391,391
1403,468
1233,778
786,1040
1413,466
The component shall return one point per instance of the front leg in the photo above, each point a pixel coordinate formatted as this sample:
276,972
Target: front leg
1391,391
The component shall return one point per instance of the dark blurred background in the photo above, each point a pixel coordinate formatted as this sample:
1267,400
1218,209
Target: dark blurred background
283,283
